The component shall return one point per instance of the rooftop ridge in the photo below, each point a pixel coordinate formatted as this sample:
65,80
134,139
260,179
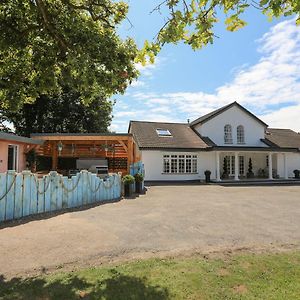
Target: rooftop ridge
156,122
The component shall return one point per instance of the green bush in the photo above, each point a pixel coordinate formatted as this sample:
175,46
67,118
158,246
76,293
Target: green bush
128,179
139,177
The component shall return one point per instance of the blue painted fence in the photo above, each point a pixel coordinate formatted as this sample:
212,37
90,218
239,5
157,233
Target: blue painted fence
24,194
135,168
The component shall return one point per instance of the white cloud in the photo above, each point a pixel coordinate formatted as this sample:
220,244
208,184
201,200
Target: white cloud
286,117
269,88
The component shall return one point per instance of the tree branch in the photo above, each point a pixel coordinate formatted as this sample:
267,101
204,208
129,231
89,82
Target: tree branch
48,25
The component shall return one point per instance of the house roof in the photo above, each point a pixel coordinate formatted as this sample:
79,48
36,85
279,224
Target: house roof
283,138
218,111
20,139
183,136
79,134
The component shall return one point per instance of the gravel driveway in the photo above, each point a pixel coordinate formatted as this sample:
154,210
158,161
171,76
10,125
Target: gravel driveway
167,220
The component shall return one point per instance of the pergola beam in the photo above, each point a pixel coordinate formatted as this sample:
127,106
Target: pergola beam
79,138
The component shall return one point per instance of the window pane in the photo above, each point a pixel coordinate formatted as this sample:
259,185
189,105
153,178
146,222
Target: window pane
174,164
166,166
194,166
163,132
181,164
188,163
240,134
227,134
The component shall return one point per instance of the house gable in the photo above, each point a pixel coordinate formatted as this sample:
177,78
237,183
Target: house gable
218,111
233,115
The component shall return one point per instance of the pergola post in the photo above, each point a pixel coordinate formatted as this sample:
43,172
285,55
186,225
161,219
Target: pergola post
129,154
54,156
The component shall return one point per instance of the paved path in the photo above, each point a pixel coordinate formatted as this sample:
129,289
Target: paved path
168,219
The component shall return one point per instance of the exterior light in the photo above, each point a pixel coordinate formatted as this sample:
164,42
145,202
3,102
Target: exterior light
59,147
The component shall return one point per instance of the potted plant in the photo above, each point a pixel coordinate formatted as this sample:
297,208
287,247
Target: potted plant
128,181
207,176
225,174
139,177
250,173
297,174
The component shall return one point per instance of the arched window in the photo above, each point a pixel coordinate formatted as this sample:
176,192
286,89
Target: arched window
227,134
240,134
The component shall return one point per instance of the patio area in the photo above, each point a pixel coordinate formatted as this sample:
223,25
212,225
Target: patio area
67,153
251,166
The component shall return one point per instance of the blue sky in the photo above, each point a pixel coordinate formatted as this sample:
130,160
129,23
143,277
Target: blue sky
258,66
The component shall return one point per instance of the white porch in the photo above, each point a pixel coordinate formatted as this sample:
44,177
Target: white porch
235,165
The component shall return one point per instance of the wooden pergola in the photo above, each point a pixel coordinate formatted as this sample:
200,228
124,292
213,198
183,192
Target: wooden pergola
118,148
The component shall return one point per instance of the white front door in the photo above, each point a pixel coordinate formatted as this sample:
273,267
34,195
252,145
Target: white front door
241,165
230,164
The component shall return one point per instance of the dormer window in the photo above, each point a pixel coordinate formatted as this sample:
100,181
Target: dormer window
227,134
240,134
163,132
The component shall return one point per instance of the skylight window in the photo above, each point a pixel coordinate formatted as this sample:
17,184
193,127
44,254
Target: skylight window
163,132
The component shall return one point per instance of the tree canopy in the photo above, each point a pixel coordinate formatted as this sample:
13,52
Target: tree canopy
48,44
62,113
193,21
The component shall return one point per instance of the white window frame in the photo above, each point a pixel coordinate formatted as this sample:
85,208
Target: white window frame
16,156
163,132
189,162
228,134
240,134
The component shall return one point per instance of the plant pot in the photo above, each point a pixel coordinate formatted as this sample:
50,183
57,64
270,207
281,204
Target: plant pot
297,174
128,190
250,175
207,177
225,176
139,187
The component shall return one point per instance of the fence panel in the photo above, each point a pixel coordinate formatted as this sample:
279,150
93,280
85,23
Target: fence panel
18,196
10,197
25,194
2,196
33,195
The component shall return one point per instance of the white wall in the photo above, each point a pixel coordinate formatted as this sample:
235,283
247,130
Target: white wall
293,162
153,162
214,128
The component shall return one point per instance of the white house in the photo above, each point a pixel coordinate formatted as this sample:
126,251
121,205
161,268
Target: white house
226,142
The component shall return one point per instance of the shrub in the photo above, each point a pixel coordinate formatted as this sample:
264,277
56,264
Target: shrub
128,179
139,177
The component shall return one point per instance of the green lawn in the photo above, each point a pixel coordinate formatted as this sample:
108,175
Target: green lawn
247,276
